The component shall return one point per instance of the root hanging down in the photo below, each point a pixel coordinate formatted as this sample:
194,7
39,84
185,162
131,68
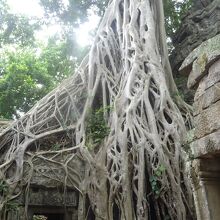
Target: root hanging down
136,169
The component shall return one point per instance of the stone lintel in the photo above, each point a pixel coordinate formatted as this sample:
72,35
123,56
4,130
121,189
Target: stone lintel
49,197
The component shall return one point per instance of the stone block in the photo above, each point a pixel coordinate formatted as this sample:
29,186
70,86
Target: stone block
207,98
214,75
207,146
198,71
201,89
52,175
52,197
207,121
215,68
200,59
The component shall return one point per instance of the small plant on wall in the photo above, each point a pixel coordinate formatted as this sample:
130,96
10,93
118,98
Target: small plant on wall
154,180
97,128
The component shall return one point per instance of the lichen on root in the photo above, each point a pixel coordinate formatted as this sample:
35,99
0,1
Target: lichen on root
137,170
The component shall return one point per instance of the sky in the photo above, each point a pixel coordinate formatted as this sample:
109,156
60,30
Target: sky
33,8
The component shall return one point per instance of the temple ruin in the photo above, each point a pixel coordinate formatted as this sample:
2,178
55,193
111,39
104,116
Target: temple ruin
46,197
197,55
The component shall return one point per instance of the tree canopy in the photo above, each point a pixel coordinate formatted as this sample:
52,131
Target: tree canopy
27,74
16,29
32,69
174,11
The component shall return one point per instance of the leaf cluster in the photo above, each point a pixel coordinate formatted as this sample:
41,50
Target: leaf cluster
97,128
11,206
155,180
3,187
15,28
174,11
28,74
72,12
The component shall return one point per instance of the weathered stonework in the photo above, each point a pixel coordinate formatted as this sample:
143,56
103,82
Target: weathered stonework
203,67
206,177
199,25
46,194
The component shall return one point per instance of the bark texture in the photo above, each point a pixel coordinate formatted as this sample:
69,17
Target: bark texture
137,170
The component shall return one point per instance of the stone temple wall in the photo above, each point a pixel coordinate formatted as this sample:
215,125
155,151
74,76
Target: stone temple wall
46,195
197,53
203,67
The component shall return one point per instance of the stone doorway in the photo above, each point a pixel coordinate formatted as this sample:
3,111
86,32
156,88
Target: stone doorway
50,213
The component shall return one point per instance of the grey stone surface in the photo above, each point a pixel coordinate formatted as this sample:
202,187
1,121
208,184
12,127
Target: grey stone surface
208,146
199,60
52,175
52,197
206,99
199,25
206,179
46,192
208,91
214,75
207,121
200,4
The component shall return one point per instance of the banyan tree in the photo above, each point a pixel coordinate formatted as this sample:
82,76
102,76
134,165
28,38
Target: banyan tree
120,114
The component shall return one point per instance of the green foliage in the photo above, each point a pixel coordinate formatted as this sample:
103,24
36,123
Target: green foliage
58,58
11,206
56,147
3,187
72,12
16,29
30,71
190,135
28,74
174,11
23,80
155,180
97,128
